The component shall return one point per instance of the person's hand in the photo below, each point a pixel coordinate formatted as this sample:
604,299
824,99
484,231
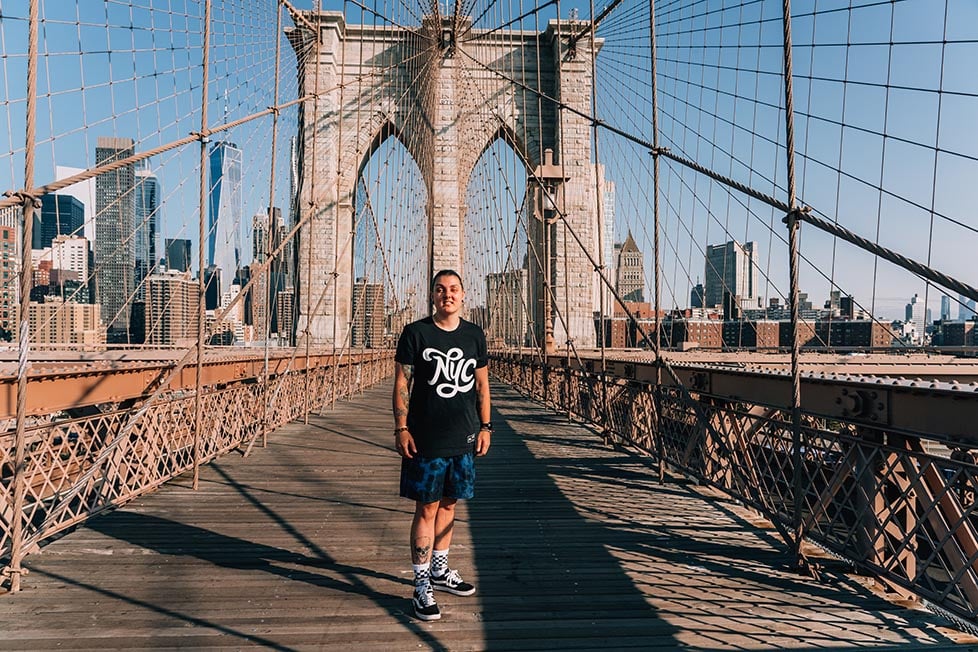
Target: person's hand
404,443
482,443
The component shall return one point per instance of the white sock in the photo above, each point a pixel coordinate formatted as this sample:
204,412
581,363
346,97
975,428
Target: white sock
439,562
421,574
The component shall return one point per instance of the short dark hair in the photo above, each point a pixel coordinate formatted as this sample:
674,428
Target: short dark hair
446,272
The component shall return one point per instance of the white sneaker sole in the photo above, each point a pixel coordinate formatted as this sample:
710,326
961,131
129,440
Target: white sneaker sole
448,589
423,616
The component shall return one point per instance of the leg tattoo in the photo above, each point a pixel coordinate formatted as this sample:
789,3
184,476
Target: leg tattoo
421,551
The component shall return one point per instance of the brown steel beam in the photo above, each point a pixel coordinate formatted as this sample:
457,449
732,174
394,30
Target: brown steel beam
936,408
69,385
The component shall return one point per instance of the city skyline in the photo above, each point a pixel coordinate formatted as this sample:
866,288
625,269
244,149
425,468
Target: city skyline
864,174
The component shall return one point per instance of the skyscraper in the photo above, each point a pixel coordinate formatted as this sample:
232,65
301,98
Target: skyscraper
630,277
178,254
225,209
59,215
696,295
368,314
285,313
731,269
212,285
602,292
269,231
83,191
147,226
506,303
966,308
115,216
945,308
915,314
10,220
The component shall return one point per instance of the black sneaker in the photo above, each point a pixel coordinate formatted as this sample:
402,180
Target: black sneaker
453,583
425,606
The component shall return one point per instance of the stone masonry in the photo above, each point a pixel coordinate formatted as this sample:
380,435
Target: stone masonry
446,92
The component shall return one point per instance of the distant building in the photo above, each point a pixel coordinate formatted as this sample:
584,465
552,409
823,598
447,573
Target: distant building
945,308
212,288
743,334
66,253
62,269
178,254
731,270
806,334
397,319
847,307
59,215
697,298
702,333
83,191
602,293
147,227
955,333
224,211
258,313
285,309
115,212
966,308
916,315
368,314
10,253
630,274
479,315
172,307
65,322
846,333
506,297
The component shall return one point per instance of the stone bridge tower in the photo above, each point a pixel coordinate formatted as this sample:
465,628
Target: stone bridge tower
452,89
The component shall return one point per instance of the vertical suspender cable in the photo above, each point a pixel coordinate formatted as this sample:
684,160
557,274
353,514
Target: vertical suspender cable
657,272
29,204
793,228
198,399
313,204
268,232
598,202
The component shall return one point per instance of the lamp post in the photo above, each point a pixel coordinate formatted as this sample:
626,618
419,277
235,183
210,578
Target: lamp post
548,179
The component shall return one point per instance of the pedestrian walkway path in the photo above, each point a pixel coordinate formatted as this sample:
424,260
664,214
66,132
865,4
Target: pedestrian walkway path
303,546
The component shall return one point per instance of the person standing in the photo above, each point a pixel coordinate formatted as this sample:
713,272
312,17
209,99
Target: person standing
441,423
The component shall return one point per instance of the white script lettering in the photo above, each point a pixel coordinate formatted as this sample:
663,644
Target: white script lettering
458,373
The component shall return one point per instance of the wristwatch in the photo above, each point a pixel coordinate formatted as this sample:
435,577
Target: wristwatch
486,426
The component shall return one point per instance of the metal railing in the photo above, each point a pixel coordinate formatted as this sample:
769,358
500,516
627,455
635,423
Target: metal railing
79,466
896,503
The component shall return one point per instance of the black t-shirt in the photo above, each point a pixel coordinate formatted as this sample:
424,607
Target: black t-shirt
443,413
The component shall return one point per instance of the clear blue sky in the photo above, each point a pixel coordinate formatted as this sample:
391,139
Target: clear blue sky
141,77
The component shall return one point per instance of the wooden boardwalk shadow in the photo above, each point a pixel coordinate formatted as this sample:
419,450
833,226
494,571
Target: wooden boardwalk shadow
303,546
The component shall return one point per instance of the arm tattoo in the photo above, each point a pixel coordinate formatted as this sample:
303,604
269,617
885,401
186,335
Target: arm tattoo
400,412
404,391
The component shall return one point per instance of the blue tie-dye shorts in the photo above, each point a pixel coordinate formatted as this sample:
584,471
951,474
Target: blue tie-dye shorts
429,479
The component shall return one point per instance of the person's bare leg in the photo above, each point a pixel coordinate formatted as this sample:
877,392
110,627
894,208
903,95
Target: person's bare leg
422,540
423,532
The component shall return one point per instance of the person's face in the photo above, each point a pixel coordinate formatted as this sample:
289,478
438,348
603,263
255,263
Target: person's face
447,295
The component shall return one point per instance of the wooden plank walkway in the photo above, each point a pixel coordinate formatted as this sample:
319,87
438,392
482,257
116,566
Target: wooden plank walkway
303,546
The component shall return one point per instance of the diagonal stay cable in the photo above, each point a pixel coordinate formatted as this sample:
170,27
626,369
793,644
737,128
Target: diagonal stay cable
907,263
